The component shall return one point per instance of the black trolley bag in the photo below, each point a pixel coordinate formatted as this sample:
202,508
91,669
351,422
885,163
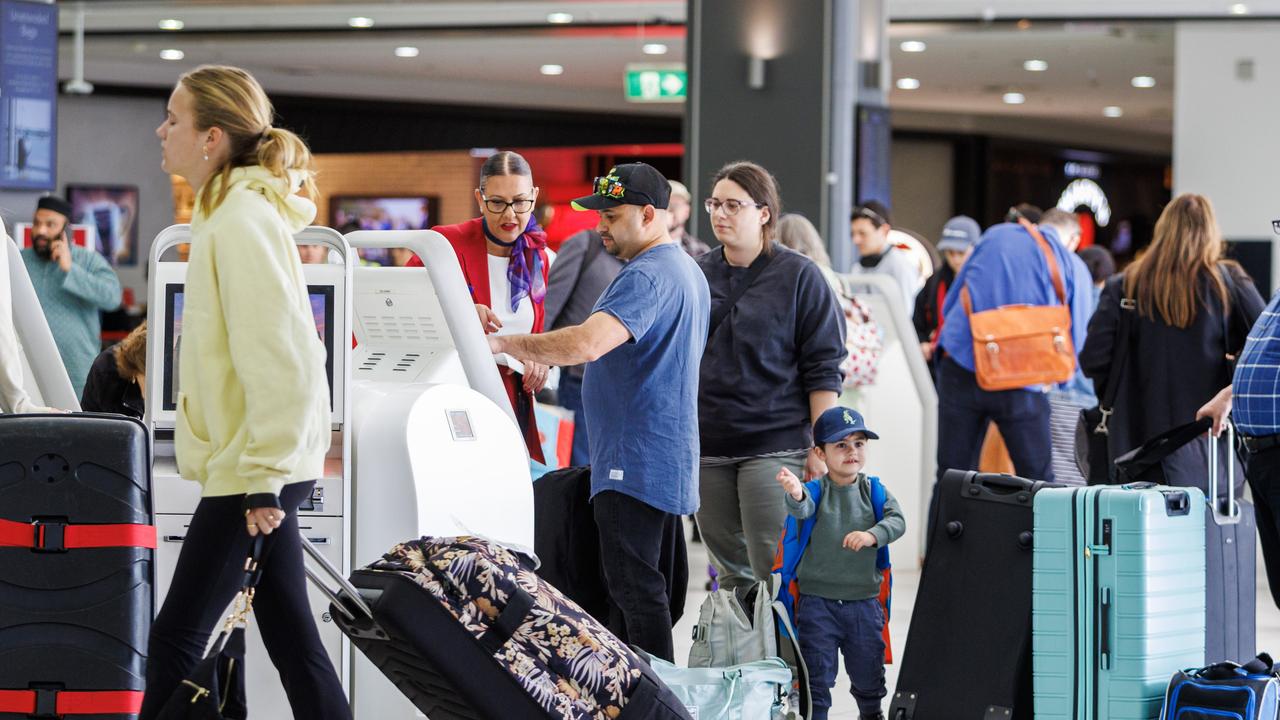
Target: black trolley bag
467,631
76,548
968,650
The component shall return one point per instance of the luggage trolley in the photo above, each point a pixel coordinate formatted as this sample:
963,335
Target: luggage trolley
325,519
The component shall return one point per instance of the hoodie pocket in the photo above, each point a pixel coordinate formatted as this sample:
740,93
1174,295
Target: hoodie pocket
191,449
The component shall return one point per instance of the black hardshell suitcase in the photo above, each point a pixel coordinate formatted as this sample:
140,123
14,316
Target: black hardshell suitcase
968,650
440,666
76,549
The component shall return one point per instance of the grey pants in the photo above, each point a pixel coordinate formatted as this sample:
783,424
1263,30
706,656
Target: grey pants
742,513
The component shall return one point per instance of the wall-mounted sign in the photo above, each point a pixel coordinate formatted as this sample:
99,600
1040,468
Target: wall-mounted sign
656,83
1082,170
28,94
1087,193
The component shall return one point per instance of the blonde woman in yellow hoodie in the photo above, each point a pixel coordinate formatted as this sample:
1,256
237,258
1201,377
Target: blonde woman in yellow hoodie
253,408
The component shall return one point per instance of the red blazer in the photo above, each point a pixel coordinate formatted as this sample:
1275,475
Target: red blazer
469,245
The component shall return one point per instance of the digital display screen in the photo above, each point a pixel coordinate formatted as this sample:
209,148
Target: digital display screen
321,297
460,425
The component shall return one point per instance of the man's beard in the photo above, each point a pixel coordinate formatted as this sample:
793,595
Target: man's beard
43,247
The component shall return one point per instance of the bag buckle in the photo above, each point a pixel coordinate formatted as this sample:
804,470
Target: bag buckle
48,537
1102,424
46,702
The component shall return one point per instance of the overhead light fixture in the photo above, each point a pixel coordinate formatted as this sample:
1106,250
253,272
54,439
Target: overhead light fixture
1035,66
654,49
908,84
913,46
1143,81
1239,9
551,69
172,54
360,22
1014,98
171,24
755,72
560,18
1112,111
407,51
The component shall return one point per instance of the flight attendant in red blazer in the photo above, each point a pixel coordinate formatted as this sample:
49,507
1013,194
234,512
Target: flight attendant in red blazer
505,261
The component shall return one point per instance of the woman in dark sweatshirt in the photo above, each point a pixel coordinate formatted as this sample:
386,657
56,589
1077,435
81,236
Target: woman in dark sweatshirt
771,367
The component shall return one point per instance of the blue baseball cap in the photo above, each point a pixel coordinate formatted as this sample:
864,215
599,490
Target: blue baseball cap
959,234
839,423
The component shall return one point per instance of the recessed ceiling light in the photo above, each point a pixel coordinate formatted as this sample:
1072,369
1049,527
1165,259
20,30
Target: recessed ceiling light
360,22
172,54
1035,66
560,18
408,51
908,84
1112,111
654,49
551,69
1239,9
913,46
171,24
1143,81
1014,98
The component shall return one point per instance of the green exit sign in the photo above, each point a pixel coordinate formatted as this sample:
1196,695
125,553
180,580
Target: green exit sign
656,83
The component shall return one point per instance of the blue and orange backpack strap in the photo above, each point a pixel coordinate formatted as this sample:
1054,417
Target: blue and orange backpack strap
885,567
791,547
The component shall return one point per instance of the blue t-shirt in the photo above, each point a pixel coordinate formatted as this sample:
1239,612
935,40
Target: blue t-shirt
641,398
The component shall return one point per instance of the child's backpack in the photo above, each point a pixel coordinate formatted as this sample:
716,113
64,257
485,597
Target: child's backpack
1225,690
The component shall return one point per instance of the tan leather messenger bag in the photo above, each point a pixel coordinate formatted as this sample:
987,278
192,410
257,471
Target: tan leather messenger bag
1019,345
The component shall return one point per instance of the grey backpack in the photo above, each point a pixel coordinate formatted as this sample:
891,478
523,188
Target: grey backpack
749,625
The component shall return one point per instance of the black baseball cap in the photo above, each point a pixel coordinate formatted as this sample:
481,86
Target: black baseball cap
629,184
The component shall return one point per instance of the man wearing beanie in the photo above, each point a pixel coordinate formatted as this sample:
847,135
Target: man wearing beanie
73,285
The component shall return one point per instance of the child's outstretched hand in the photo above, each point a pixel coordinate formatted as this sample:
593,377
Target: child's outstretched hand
791,484
859,539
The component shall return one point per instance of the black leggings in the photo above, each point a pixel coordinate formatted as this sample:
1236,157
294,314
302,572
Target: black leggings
208,576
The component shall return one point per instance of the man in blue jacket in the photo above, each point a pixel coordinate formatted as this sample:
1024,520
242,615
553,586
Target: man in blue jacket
1007,268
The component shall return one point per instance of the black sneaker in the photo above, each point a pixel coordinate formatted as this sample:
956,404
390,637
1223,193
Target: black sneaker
877,716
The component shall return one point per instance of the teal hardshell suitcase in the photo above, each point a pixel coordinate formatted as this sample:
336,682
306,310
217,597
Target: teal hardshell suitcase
1118,598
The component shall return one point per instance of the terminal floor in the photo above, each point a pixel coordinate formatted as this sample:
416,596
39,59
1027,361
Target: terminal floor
905,584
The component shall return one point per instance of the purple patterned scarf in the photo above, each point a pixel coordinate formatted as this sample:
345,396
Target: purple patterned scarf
524,272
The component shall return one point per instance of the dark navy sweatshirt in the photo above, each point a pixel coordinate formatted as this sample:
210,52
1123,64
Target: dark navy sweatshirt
784,339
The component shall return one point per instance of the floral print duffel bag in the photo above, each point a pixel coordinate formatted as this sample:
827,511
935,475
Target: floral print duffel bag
569,664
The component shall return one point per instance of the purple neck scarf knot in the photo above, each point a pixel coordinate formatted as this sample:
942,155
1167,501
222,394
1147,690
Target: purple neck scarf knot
524,272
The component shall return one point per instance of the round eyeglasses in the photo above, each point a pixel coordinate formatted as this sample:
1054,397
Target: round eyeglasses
731,207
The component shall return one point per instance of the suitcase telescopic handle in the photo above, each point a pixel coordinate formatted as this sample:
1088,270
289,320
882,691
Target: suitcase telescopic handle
346,597
1232,514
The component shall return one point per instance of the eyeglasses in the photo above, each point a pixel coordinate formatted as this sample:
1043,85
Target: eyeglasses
731,207
497,206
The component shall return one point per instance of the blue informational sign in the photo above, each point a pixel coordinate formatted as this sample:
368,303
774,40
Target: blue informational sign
28,95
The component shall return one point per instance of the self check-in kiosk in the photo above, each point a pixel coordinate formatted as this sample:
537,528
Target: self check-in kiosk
325,519
437,450
44,377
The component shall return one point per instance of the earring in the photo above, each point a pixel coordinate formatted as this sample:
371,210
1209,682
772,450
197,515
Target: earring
205,150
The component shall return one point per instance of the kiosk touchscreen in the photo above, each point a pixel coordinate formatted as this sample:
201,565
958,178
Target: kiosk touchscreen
325,518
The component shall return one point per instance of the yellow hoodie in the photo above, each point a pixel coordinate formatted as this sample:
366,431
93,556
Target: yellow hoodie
253,404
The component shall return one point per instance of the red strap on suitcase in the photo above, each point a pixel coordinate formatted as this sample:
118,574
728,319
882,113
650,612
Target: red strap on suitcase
70,702
57,536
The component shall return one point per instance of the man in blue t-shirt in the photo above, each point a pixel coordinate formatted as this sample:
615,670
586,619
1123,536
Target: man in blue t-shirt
643,343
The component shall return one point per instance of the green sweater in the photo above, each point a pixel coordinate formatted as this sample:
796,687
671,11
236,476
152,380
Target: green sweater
830,570
71,302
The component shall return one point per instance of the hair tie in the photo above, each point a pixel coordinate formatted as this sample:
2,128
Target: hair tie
263,135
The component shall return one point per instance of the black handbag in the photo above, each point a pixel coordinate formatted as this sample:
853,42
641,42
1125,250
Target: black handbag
215,689
1093,446
1146,463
